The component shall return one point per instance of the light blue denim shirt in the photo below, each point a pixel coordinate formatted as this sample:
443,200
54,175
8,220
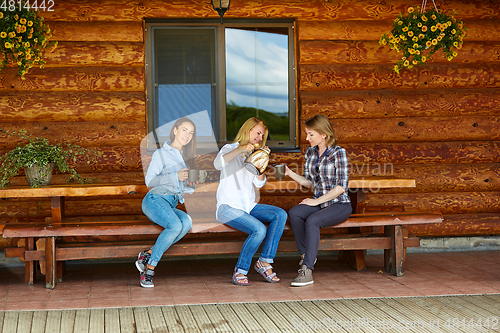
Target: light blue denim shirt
162,172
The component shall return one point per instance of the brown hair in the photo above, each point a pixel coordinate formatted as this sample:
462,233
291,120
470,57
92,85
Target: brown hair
189,150
243,135
322,125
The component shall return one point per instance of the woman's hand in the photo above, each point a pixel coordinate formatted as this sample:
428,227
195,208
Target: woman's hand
310,202
287,171
182,174
247,149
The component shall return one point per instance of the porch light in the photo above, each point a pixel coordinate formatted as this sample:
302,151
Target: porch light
221,6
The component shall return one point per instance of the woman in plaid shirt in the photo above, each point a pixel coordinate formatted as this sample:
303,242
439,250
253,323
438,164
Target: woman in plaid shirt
326,171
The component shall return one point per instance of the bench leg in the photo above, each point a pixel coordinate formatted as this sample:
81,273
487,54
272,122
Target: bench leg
359,256
397,253
50,263
29,266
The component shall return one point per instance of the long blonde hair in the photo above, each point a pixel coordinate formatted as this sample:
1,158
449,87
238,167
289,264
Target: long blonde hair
189,150
323,126
243,136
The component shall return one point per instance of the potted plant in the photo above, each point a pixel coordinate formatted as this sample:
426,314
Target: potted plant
38,157
418,34
24,36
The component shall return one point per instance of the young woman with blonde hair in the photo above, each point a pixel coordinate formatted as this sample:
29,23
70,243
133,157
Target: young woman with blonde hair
237,208
326,171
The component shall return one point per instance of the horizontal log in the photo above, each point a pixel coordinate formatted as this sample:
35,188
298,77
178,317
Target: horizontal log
120,177
400,103
371,52
74,79
435,177
114,10
97,31
86,134
72,107
381,76
477,30
445,202
485,224
417,129
96,54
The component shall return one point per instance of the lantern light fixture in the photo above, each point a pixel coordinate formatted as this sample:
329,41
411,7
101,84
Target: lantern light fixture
221,6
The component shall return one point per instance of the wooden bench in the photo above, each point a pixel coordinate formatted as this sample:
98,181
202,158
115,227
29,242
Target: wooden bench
63,238
206,237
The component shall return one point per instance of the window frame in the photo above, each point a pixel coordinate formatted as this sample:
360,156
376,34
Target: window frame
219,116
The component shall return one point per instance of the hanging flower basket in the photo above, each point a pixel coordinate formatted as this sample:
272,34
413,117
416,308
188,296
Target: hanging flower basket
24,37
418,34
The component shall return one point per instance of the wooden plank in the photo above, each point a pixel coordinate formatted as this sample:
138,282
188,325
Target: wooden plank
218,321
75,79
50,263
464,310
39,321
231,317
72,190
68,320
488,303
158,324
77,54
251,325
96,321
82,321
10,319
112,320
71,107
461,225
127,321
262,317
172,319
400,103
141,317
304,312
277,318
382,76
97,31
2,315
53,324
202,319
187,319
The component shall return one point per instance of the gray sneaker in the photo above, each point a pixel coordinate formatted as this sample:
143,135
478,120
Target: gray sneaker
147,278
302,256
305,277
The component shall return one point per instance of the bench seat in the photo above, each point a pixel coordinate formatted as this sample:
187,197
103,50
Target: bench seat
206,237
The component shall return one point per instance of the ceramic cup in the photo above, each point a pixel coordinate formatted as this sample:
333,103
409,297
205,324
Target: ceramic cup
194,173
279,171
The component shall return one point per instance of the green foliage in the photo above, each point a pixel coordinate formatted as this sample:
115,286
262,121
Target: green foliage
237,115
418,35
39,151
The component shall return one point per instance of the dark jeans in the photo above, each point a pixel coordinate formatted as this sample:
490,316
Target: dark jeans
306,221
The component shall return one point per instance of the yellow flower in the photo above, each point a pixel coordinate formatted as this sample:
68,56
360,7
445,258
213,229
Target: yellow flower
396,69
30,23
3,34
450,58
12,34
402,37
410,33
406,63
411,10
449,24
459,46
19,63
433,16
438,26
424,18
16,17
428,43
453,31
424,58
28,56
30,35
20,39
434,41
415,46
411,51
415,62
27,44
433,28
384,42
421,36
23,28
405,29
1,15
415,38
455,44
424,28
8,45
417,52
454,54
400,22
23,20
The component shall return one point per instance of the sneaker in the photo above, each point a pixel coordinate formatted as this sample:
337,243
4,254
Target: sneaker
302,256
147,278
142,260
305,277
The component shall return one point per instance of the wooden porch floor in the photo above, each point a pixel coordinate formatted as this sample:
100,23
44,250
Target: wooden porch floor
448,290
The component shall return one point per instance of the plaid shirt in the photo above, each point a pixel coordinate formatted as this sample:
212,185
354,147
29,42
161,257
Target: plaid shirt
327,171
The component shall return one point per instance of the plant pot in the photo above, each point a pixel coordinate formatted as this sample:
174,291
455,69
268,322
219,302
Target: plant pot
37,176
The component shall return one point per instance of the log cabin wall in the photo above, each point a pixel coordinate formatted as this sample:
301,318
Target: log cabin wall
438,123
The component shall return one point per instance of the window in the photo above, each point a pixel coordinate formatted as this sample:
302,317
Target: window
233,71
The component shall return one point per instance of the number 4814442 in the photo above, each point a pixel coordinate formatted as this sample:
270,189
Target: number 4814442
35,5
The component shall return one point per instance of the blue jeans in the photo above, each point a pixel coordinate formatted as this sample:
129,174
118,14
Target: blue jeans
161,210
253,225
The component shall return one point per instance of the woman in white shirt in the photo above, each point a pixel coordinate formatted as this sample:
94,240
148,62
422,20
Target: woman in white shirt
237,208
167,174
